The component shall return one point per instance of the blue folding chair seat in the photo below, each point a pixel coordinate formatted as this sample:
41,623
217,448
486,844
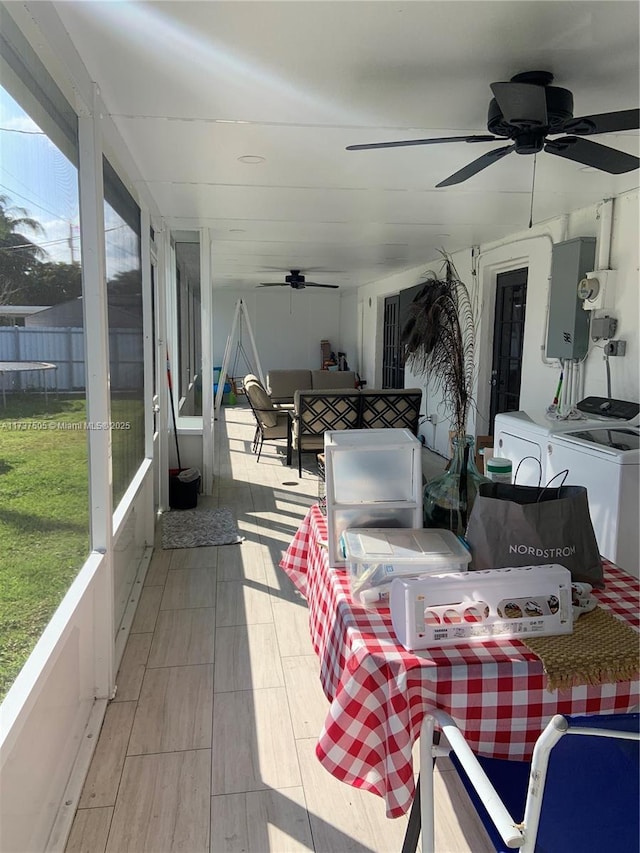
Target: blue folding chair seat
591,800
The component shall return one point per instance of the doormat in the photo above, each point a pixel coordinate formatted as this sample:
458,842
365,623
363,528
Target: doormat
197,528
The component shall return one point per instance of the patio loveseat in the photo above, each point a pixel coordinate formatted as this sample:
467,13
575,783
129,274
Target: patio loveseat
315,412
282,384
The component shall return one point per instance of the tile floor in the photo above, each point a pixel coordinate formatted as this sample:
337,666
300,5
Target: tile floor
208,746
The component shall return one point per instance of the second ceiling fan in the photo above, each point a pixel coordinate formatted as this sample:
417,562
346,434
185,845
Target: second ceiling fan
296,281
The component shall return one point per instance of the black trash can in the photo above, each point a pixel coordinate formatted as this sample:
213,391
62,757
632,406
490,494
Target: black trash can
184,485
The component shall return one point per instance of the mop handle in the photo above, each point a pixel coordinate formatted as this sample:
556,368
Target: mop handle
173,411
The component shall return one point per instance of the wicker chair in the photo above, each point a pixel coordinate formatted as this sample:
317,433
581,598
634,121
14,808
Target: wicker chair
271,424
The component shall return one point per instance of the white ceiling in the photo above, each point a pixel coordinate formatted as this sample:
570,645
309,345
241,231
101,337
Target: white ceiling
193,86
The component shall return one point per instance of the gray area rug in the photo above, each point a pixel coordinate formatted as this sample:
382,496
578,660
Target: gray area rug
196,528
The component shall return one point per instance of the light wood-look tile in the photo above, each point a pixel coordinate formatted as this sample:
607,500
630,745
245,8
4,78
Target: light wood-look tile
188,588
89,831
457,825
164,801
241,604
292,627
344,818
158,567
102,781
163,804
194,558
247,658
261,822
147,610
253,745
132,666
174,711
241,563
183,637
307,703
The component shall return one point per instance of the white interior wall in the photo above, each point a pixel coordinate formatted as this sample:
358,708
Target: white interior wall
287,325
539,377
349,329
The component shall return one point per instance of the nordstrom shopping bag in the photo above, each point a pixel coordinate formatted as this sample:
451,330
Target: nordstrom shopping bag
514,525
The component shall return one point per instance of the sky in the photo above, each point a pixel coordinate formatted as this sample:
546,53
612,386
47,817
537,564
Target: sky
37,177
42,184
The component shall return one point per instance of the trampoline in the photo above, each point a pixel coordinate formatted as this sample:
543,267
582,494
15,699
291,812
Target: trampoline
10,367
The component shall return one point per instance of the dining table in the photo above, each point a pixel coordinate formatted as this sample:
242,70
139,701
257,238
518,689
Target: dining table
495,690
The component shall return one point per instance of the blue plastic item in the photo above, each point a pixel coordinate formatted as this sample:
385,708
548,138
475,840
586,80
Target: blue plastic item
216,376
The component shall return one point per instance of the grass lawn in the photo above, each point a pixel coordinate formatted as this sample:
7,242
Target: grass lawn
44,518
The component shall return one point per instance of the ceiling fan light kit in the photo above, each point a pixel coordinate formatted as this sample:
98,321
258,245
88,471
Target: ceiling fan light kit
527,110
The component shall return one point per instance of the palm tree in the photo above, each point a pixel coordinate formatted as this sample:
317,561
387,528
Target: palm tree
19,256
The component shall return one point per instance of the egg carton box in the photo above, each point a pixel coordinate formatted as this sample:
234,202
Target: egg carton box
440,610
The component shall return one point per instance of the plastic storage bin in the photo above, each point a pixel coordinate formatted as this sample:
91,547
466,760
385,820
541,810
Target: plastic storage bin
376,556
373,479
474,606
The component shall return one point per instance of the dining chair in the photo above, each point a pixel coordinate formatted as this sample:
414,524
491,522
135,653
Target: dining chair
271,424
580,792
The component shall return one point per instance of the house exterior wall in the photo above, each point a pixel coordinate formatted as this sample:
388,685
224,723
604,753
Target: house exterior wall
539,375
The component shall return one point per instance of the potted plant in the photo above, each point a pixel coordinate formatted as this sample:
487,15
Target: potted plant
439,342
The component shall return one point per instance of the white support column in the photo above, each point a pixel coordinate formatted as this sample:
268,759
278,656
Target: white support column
164,277
206,331
147,315
96,330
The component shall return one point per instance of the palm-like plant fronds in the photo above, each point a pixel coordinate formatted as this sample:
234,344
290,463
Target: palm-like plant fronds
439,340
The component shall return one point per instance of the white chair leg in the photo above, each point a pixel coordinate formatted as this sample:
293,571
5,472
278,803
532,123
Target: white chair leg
426,785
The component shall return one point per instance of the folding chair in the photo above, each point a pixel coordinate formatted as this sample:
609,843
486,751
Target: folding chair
579,794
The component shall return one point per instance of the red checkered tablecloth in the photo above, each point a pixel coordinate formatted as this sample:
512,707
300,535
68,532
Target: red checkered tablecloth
495,691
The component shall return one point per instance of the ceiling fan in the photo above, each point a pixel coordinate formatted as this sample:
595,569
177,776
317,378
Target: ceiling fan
296,281
528,110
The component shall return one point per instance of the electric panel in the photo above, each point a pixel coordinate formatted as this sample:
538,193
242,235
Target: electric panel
568,330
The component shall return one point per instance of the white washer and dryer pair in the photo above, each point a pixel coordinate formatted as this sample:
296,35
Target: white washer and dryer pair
600,452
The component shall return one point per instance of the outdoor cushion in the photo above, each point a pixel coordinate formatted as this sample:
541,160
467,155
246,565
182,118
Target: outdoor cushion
260,401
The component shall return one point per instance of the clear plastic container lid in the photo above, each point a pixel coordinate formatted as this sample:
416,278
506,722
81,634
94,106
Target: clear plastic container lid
424,546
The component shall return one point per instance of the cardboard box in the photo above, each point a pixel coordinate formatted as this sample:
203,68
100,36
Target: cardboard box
483,442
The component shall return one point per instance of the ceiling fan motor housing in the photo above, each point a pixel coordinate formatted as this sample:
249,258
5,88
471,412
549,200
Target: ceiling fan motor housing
296,280
529,137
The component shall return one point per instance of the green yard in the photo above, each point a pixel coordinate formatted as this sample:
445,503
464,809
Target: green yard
44,522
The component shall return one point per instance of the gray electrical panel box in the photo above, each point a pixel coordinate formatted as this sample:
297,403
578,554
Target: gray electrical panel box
568,330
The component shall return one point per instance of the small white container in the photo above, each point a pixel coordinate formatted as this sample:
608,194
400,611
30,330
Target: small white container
375,556
499,470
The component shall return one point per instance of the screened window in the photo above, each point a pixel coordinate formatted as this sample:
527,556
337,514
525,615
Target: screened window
189,328
126,339
44,519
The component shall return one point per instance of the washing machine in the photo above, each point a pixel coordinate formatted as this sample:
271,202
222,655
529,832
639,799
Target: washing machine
524,438
605,459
